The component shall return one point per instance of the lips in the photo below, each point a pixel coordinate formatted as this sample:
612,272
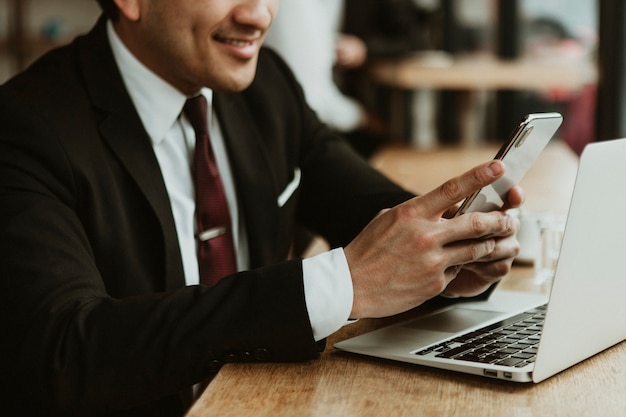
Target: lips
241,47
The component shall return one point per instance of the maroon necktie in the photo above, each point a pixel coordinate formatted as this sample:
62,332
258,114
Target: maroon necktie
216,255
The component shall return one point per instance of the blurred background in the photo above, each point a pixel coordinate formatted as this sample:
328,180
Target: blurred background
435,73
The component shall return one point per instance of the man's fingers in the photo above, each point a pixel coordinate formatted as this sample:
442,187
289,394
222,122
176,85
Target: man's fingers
467,252
456,189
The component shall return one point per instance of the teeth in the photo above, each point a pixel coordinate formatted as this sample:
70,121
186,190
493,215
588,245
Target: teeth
236,43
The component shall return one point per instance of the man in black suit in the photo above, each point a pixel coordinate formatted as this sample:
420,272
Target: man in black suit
101,309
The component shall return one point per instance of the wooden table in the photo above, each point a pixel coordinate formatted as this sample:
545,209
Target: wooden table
476,73
426,73
348,385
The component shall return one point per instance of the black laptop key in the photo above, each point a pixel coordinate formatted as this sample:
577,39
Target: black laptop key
494,357
522,355
483,351
471,357
454,351
509,340
509,351
509,362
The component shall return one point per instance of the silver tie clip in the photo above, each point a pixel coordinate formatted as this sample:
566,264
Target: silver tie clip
211,233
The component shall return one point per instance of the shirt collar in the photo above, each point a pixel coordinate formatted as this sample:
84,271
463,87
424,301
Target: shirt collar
157,102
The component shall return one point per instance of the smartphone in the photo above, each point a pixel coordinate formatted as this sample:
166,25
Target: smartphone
518,153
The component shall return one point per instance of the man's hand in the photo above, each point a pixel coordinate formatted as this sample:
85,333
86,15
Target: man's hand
411,253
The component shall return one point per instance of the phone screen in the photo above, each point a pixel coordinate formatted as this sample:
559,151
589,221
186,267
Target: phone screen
518,153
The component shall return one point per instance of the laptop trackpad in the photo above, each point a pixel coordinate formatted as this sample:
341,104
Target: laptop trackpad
453,320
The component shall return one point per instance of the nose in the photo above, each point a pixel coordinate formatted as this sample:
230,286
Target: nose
255,13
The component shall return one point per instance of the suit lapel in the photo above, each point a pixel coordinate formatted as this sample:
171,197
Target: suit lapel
122,129
254,176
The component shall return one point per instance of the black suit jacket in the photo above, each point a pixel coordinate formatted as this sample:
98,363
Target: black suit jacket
95,315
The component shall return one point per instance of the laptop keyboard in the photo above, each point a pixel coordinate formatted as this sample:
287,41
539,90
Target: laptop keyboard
510,342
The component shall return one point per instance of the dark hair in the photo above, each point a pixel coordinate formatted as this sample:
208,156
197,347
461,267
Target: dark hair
109,8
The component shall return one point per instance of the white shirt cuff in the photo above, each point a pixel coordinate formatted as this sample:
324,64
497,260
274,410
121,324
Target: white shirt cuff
327,291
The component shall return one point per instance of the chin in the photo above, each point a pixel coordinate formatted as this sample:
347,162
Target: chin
237,86
238,79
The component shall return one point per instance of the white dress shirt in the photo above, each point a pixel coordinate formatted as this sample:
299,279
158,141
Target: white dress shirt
327,280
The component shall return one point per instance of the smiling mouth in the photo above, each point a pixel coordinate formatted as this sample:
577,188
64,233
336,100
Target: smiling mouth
241,41
242,46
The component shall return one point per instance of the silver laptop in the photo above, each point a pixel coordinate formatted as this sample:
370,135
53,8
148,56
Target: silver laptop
528,337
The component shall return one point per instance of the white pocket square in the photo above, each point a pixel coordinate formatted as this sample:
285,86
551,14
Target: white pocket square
290,188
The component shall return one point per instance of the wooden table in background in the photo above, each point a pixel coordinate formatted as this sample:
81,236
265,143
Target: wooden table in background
348,385
477,73
432,71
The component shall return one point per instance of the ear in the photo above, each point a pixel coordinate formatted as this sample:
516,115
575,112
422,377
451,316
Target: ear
130,9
